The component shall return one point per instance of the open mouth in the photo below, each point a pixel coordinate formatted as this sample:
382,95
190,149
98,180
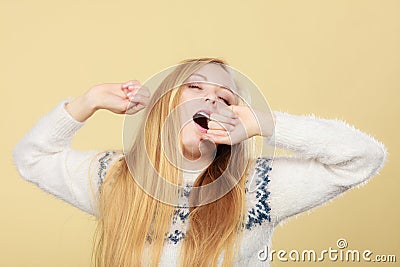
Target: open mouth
201,118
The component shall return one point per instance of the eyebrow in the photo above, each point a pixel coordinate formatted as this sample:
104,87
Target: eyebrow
205,78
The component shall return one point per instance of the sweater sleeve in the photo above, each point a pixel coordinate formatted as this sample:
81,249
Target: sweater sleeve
330,157
45,158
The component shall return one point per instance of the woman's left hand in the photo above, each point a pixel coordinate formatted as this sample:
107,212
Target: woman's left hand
233,124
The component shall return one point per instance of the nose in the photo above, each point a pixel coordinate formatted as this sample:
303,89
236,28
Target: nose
211,96
211,101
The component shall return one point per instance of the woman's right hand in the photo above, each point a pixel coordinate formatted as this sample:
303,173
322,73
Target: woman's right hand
119,98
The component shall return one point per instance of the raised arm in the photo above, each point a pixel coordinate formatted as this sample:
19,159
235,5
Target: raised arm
44,155
330,158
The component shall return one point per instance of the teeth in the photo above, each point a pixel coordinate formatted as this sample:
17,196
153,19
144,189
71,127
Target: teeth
201,114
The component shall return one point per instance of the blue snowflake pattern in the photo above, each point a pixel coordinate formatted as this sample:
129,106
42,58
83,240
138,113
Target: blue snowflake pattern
176,236
261,212
104,162
186,190
181,213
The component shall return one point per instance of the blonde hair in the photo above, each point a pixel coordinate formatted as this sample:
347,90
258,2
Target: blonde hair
134,206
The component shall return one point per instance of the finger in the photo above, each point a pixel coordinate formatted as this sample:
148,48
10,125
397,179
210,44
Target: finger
134,108
220,126
117,91
135,90
144,91
130,86
224,119
213,132
132,90
130,82
140,93
139,99
218,139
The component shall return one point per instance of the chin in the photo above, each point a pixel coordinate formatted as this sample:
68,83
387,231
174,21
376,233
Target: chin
189,136
191,142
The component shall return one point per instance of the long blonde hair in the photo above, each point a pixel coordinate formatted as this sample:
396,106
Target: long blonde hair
131,217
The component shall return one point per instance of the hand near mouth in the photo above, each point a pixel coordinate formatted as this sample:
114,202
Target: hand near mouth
237,123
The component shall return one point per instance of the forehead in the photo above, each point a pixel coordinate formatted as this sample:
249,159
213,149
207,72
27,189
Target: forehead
213,73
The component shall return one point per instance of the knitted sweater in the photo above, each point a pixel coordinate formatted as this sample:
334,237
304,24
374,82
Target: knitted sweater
330,157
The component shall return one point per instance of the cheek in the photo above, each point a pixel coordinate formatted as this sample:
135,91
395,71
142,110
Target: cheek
186,110
184,96
187,134
188,95
184,135
183,116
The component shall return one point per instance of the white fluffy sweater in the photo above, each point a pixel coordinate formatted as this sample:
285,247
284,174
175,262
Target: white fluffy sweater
330,158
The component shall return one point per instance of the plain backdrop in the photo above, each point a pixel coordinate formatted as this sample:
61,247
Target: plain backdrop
336,59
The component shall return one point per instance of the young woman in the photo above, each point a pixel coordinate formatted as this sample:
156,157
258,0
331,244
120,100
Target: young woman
180,195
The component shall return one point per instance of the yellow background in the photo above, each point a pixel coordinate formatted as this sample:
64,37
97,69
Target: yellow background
336,59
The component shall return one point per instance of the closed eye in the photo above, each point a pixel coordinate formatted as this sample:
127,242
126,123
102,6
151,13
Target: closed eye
225,101
194,86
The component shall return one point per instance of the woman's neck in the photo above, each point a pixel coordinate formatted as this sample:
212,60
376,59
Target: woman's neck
199,159
196,164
